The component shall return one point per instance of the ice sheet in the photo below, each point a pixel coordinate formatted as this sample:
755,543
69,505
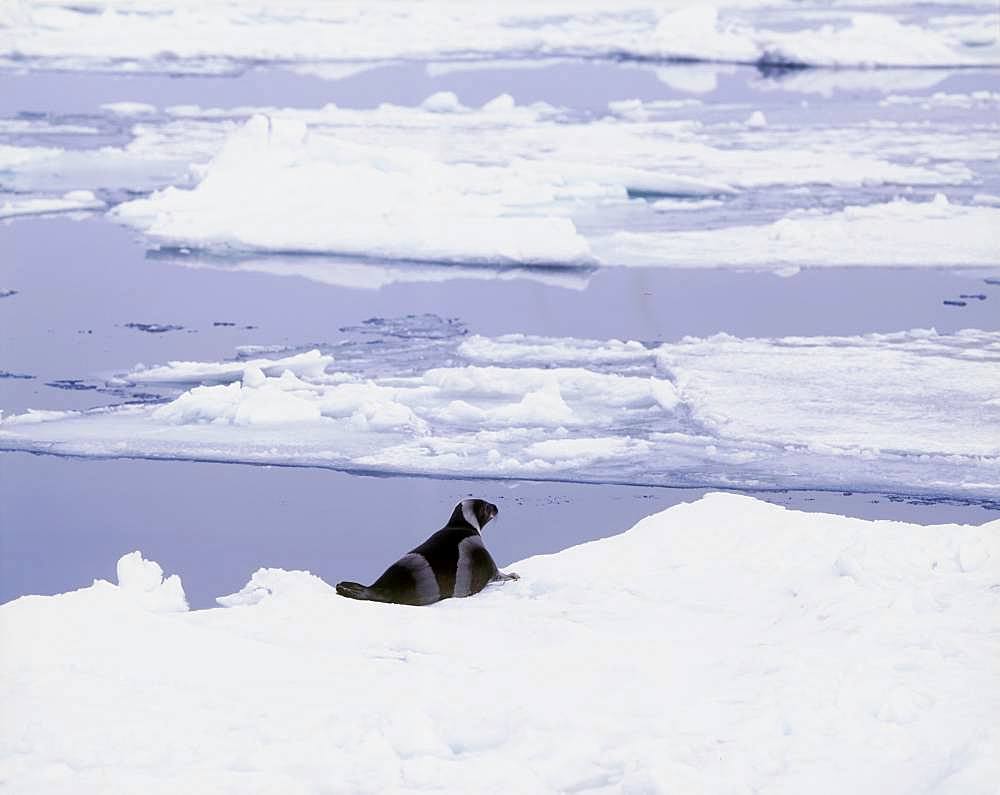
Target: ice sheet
73,201
504,184
375,183
914,412
309,194
898,233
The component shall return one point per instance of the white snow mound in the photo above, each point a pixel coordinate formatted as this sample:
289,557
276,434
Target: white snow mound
143,581
727,645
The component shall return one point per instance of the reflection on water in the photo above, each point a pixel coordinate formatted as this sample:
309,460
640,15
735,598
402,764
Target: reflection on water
357,273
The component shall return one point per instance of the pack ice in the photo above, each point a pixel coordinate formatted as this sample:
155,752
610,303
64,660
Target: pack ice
520,185
319,184
722,646
223,36
915,412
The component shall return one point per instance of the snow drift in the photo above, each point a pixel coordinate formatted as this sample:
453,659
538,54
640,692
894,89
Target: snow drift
726,645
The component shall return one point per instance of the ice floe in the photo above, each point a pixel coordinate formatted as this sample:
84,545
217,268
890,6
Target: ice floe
376,184
129,108
502,184
899,233
72,201
725,645
811,412
976,99
219,36
871,39
323,195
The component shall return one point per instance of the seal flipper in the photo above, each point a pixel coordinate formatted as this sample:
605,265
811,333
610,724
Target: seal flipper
408,581
355,590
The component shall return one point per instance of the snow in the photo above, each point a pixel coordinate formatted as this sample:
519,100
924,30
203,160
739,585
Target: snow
725,645
142,581
334,39
792,412
898,233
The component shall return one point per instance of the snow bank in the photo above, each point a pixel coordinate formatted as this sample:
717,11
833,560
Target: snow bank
726,645
717,411
902,233
142,589
220,36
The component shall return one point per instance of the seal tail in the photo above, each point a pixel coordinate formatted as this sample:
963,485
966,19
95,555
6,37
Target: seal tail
355,590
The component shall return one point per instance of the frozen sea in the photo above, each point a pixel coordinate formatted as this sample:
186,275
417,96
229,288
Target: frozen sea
704,299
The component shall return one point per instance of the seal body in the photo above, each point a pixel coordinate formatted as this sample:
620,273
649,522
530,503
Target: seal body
452,562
